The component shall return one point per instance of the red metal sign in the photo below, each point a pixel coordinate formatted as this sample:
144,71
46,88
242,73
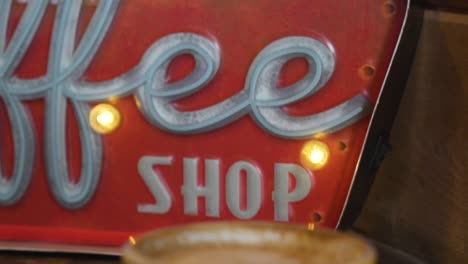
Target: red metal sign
118,117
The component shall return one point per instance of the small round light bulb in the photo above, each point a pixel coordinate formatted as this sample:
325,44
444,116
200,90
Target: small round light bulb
104,118
315,155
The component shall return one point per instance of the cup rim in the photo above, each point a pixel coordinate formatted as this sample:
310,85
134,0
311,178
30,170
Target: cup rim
133,255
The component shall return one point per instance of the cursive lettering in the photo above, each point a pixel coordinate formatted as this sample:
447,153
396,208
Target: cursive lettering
260,97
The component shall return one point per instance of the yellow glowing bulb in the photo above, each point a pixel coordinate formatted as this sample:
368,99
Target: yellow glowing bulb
104,118
132,240
315,155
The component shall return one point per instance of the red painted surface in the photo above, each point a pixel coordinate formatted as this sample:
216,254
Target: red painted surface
359,32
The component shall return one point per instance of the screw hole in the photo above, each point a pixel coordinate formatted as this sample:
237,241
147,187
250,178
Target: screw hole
367,72
316,217
389,8
342,146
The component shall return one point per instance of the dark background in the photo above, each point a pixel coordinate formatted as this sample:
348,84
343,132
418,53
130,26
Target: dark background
419,200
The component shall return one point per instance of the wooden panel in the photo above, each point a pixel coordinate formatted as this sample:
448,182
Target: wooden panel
419,201
452,4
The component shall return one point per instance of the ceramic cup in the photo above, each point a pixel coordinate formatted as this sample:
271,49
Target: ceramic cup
245,243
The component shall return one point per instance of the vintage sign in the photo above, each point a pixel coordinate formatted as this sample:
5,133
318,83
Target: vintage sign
122,116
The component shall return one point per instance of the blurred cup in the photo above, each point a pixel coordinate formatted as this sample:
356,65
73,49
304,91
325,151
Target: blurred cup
247,243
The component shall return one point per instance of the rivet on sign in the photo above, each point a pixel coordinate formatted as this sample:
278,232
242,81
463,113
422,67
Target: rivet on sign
316,217
367,72
342,146
389,8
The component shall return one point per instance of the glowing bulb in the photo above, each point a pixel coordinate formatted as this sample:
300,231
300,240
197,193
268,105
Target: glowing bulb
315,155
132,240
104,118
